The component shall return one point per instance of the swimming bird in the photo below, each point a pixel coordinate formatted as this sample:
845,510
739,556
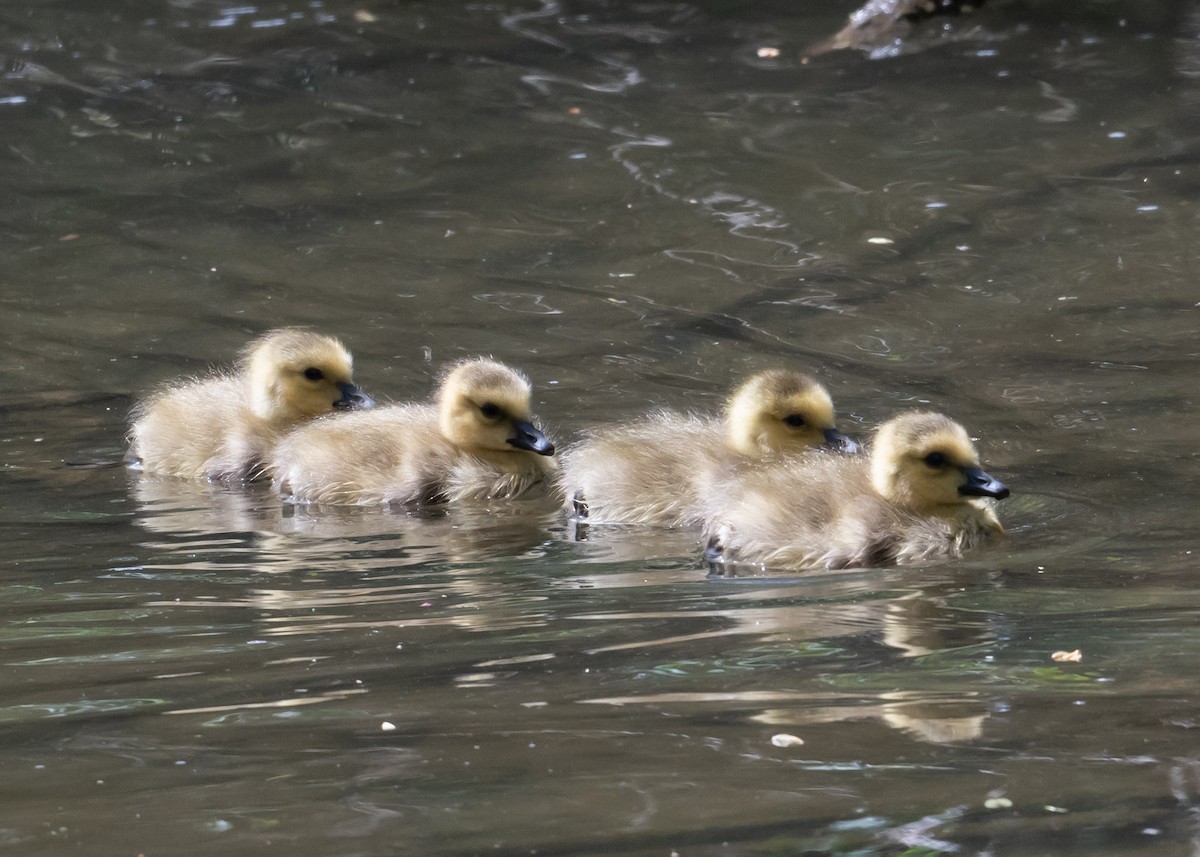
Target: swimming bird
920,495
220,427
477,440
654,470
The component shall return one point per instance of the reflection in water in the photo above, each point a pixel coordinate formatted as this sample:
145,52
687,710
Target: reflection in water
336,559
916,624
288,536
933,719
168,505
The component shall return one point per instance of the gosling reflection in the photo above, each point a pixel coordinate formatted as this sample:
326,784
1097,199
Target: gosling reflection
469,531
279,537
915,624
170,506
932,718
295,571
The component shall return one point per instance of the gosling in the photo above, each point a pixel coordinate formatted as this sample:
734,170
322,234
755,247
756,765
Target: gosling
655,470
221,427
919,496
476,441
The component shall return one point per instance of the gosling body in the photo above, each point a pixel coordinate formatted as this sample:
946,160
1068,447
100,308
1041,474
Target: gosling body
656,469
919,496
221,427
476,441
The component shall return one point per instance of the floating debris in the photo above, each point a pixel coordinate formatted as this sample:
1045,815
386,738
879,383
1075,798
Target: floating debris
785,740
1067,657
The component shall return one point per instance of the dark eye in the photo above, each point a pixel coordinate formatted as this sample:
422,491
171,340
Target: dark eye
489,410
794,420
936,459
312,373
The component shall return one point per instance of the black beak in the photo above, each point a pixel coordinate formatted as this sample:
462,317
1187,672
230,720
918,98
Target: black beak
353,398
837,441
980,484
530,438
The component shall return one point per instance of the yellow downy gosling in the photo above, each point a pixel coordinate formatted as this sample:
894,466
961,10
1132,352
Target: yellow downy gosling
655,470
221,427
919,496
477,441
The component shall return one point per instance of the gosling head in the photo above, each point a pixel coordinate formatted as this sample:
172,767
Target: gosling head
783,411
484,405
296,374
926,463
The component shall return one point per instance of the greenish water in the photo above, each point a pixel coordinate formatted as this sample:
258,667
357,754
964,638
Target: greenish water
633,206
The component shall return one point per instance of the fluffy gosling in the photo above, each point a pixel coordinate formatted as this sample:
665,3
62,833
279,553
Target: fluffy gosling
220,427
655,470
919,496
476,441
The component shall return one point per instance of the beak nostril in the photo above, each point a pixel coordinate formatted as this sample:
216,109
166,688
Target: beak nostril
531,439
352,398
834,439
981,484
